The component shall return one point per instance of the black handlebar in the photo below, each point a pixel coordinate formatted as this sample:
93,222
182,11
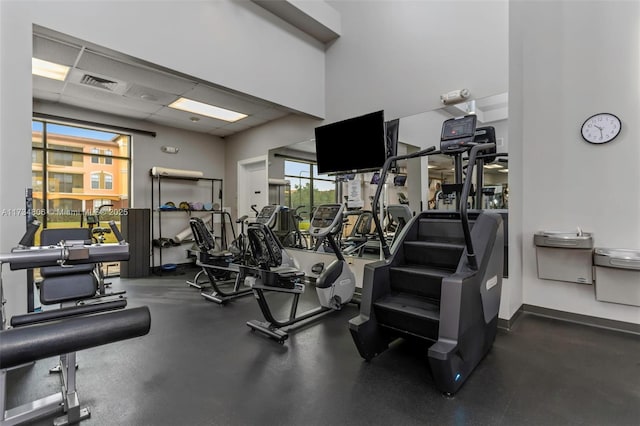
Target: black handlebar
466,188
376,197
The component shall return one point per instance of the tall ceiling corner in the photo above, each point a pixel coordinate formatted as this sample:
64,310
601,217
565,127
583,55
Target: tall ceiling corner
316,18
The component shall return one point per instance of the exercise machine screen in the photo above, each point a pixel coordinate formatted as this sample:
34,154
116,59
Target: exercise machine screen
456,133
325,218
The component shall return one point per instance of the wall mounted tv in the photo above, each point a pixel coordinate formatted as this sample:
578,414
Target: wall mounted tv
355,144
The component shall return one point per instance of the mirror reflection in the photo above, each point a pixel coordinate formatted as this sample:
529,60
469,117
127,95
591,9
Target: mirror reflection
414,185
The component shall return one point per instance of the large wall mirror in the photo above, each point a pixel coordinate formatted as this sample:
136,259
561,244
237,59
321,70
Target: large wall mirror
417,183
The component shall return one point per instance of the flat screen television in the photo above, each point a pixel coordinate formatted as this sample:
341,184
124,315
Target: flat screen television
375,179
399,180
356,144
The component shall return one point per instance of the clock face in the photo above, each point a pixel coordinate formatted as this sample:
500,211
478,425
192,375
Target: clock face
601,128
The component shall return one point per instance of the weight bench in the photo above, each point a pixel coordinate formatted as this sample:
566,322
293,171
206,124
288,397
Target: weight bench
75,326
45,338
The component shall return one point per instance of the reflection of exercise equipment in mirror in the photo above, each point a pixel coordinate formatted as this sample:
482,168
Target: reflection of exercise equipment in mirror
293,236
399,216
362,237
441,284
335,286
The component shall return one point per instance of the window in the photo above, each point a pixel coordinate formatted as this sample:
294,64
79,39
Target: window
95,180
59,155
36,180
308,188
73,166
65,182
101,180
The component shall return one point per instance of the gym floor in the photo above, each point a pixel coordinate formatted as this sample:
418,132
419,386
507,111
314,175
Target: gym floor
201,365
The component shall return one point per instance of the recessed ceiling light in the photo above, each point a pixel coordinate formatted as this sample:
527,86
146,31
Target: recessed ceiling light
49,69
201,108
194,119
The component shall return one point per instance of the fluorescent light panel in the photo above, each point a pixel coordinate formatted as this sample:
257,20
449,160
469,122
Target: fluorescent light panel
49,69
493,166
201,108
504,170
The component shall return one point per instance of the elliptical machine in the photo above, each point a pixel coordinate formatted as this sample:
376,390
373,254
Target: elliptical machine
335,286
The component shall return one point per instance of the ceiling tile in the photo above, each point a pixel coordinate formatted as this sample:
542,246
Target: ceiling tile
53,51
47,84
147,94
137,80
94,62
112,99
108,109
46,95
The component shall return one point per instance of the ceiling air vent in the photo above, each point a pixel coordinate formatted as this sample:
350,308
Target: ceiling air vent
97,81
101,83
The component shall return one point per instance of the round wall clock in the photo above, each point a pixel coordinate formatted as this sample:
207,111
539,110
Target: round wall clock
601,128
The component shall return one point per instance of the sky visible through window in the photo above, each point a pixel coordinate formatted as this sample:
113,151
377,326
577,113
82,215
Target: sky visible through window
60,129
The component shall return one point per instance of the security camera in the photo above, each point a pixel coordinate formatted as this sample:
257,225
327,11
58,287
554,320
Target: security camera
455,97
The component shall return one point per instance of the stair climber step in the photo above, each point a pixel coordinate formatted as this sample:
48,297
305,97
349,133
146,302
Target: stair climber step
414,315
418,280
433,229
431,253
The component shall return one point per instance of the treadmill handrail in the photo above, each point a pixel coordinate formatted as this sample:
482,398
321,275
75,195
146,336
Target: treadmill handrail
471,256
376,197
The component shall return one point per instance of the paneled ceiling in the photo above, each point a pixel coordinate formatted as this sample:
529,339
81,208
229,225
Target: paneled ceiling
138,90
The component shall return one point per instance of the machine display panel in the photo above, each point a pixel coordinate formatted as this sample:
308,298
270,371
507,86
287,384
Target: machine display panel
459,128
325,218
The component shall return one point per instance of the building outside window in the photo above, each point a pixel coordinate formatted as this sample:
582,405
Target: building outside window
79,166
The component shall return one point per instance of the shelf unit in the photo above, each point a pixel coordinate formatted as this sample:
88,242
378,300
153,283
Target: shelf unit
213,188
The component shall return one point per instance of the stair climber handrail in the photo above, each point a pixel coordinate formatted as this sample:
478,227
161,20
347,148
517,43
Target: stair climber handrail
376,197
471,256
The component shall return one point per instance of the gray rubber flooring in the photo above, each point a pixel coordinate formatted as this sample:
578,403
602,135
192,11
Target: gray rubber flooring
201,365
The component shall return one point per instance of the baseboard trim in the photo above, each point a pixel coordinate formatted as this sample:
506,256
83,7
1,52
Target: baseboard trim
625,327
506,324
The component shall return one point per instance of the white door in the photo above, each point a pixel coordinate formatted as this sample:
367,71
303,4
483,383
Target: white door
253,186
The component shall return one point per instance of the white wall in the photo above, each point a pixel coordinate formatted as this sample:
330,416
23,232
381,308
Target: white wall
401,55
570,60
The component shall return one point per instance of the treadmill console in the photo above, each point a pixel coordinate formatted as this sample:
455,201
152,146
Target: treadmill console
325,219
456,133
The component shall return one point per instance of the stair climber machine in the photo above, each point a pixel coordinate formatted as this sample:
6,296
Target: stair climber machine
441,282
335,286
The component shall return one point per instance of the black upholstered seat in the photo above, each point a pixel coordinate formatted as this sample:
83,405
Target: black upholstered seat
69,282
